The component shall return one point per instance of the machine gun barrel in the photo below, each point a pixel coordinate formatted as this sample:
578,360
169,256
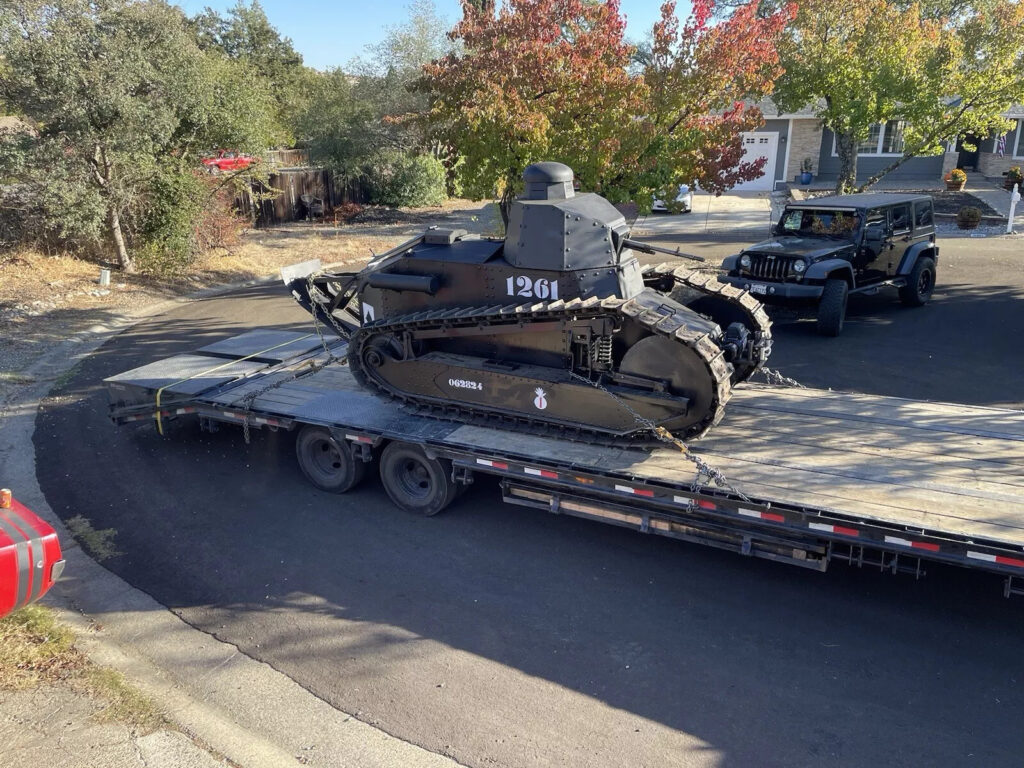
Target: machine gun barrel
636,245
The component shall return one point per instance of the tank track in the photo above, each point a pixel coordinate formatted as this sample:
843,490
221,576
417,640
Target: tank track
665,277
672,327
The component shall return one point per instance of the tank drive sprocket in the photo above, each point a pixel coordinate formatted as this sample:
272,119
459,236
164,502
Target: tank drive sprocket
727,305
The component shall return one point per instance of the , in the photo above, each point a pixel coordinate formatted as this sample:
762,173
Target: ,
806,507
227,160
560,306
30,555
684,200
824,249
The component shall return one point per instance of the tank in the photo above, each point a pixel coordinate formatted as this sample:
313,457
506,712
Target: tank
555,328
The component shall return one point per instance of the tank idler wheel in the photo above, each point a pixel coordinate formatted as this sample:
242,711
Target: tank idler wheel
328,464
832,309
661,359
414,481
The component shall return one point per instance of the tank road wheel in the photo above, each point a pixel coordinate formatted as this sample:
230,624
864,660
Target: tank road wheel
328,464
832,309
414,481
920,283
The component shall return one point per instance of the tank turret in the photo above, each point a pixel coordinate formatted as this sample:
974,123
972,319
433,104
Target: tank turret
551,227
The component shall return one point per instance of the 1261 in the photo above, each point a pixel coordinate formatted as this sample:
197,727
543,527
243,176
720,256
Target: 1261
541,288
